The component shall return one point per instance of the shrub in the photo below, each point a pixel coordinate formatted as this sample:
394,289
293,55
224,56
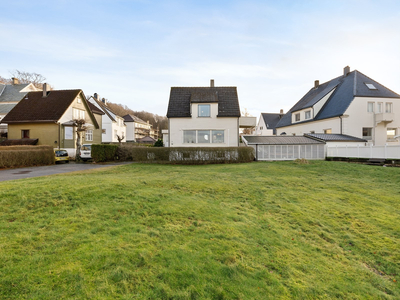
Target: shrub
104,152
26,156
192,155
159,143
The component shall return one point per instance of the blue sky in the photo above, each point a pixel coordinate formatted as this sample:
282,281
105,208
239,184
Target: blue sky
132,51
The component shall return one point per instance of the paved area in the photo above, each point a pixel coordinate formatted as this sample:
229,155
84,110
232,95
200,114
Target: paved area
20,173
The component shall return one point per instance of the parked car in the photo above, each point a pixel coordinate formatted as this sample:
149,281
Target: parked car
86,152
61,155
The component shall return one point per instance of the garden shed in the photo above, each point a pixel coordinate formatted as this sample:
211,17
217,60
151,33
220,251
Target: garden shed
285,147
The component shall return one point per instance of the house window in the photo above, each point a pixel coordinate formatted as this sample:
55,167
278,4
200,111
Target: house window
82,114
328,131
379,107
391,133
89,135
189,136
204,110
297,117
217,136
25,134
261,127
307,115
370,107
79,100
203,136
367,133
68,133
388,107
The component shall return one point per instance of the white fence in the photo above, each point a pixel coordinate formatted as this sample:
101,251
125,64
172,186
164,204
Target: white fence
290,152
383,152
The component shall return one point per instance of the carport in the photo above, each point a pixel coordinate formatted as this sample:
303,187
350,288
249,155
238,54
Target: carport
285,147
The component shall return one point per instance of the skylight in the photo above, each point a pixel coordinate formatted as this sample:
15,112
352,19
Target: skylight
371,86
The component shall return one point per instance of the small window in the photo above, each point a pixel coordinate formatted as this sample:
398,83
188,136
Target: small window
79,100
328,131
89,135
189,136
391,133
371,86
388,107
25,134
367,133
297,117
312,131
307,115
379,107
217,136
103,131
370,107
82,114
204,110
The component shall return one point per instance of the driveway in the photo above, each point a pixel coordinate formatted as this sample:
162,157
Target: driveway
20,173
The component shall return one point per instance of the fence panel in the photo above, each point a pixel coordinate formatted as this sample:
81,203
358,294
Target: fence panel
384,152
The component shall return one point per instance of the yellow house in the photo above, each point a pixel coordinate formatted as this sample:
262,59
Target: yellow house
50,117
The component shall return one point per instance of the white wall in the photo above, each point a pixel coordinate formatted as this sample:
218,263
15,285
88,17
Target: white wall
229,125
261,128
316,126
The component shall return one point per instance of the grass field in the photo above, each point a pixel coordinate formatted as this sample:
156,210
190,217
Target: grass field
280,230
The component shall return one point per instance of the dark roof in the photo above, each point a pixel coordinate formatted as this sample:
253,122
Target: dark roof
334,137
132,118
146,139
345,89
104,108
181,97
280,140
271,120
12,92
95,109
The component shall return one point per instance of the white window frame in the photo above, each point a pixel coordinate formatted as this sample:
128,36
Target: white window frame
388,107
370,107
89,135
297,117
379,107
199,110
307,114
68,133
367,137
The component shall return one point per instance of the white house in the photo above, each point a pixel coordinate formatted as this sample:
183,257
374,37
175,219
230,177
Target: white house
267,123
136,128
113,126
10,95
203,116
351,104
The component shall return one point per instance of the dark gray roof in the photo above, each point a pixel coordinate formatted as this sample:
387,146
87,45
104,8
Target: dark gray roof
280,140
6,108
181,97
271,120
347,87
12,92
132,118
334,137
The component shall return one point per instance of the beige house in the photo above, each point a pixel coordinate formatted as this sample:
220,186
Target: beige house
352,104
203,117
49,116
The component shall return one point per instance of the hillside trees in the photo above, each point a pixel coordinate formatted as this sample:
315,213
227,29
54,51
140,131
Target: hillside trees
25,77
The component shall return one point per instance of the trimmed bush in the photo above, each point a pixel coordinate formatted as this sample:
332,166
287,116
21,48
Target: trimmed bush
104,152
185,155
26,156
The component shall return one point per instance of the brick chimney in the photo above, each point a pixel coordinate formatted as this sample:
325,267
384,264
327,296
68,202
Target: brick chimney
15,80
46,89
212,83
316,83
346,71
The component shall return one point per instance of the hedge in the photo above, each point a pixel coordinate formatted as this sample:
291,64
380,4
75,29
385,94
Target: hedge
26,156
104,152
186,155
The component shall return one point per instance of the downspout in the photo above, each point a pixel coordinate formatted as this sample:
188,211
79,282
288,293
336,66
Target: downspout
341,124
59,135
169,132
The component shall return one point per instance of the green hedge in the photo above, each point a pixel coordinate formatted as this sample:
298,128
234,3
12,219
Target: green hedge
104,152
26,156
186,155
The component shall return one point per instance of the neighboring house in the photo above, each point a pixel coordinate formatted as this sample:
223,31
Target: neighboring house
49,117
351,104
10,95
203,116
136,128
112,124
267,123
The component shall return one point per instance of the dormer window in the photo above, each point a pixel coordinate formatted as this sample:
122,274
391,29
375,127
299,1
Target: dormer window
297,117
204,110
307,115
371,86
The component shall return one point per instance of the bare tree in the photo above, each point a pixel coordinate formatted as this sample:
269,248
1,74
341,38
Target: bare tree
80,128
245,113
120,138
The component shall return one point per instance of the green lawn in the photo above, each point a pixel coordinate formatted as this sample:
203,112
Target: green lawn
279,230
